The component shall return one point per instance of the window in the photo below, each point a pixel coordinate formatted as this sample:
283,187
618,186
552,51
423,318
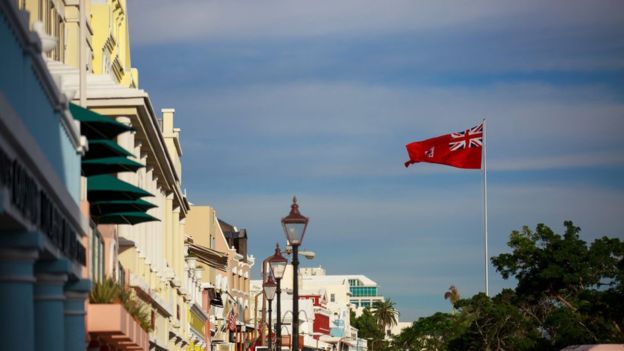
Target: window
121,274
332,298
364,291
96,257
354,282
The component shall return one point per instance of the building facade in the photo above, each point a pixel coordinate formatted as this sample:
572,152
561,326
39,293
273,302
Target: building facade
333,296
143,248
43,233
220,250
99,246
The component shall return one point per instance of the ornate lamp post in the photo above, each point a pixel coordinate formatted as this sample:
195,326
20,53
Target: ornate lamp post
294,227
278,266
269,287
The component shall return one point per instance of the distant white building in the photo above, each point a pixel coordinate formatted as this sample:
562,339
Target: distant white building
362,291
324,308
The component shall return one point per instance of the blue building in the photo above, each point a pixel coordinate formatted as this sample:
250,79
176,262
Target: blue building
42,230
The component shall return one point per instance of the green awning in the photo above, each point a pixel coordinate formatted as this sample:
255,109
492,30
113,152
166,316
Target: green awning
109,165
99,208
125,218
106,187
99,148
95,126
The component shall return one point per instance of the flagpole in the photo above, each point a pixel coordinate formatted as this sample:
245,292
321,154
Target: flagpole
485,211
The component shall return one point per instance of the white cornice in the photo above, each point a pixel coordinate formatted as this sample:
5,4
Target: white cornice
103,92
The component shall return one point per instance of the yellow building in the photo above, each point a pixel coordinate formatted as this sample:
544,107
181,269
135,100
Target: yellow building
60,20
220,251
111,42
153,254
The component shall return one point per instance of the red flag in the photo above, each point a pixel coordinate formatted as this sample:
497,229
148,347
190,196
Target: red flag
231,320
461,149
254,344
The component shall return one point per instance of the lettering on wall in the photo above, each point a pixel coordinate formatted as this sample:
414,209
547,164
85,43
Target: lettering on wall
34,204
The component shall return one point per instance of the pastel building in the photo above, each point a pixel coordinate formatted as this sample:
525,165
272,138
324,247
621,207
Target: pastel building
324,315
339,293
91,189
43,233
220,250
137,237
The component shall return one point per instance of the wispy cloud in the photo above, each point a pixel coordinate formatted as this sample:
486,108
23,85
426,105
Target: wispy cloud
432,236
572,160
194,19
318,99
345,130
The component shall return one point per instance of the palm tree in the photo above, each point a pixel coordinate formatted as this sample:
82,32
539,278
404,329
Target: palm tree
385,313
453,296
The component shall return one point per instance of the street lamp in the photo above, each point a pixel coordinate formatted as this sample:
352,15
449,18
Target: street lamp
269,287
294,227
278,266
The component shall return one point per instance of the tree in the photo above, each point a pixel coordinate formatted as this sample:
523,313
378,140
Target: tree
385,313
368,329
564,286
453,296
367,326
568,292
494,324
431,333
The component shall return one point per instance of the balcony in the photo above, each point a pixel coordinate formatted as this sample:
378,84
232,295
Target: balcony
112,324
147,294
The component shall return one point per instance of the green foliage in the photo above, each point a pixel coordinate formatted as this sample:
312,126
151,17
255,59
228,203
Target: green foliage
494,324
566,286
369,329
385,313
109,291
367,326
568,293
106,291
429,333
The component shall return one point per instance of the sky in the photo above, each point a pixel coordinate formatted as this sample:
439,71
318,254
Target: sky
318,98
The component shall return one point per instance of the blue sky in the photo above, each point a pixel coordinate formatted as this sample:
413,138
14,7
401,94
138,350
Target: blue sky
318,98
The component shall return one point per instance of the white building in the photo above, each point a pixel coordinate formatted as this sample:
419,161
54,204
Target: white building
362,291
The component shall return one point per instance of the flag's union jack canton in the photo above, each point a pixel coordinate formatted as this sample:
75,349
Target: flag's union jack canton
470,138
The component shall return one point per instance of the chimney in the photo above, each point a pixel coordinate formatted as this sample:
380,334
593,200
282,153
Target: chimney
167,127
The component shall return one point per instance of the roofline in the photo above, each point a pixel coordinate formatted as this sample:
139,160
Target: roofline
145,113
